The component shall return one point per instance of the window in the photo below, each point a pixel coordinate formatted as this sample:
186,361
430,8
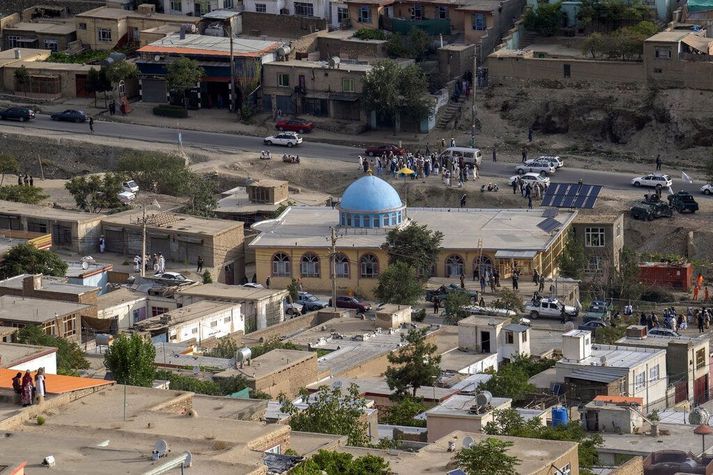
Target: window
226,320
194,330
309,265
454,266
618,230
342,14
594,237
228,4
348,85
567,70
13,41
478,22
566,470
594,264
640,381
364,14
700,358
417,12
176,6
509,338
158,311
341,264
69,328
82,26
261,8
369,265
654,373
442,12
524,337
103,34
304,9
662,52
52,45
283,80
280,265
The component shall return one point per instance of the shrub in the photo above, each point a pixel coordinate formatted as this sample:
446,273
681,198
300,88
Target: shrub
168,110
657,295
369,34
419,316
40,420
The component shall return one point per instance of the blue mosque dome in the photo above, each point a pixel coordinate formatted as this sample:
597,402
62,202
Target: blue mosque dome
370,202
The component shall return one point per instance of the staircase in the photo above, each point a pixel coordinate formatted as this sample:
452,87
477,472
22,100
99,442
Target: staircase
450,112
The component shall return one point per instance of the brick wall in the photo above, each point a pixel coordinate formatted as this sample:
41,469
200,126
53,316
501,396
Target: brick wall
350,48
73,6
288,381
288,327
280,26
634,466
228,247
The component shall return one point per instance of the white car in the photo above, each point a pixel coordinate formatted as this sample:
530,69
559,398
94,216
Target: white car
288,139
535,166
130,186
292,309
173,277
531,178
652,180
555,160
253,285
707,189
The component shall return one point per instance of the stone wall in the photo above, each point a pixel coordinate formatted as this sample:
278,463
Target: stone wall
280,26
350,48
634,466
72,6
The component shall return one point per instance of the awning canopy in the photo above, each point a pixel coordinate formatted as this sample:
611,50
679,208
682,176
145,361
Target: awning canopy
698,43
504,254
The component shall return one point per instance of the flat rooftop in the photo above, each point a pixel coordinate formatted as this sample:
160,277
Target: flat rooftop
679,437
21,309
343,66
80,269
167,356
50,284
661,341
119,296
596,218
181,223
456,360
43,66
615,356
379,387
188,313
271,362
482,321
459,405
107,13
668,36
511,229
218,291
14,354
11,208
210,46
47,28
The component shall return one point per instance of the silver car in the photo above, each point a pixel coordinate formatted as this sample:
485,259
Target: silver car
536,166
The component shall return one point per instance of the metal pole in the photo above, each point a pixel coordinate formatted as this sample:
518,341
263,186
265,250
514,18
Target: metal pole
143,242
232,69
333,257
124,402
475,79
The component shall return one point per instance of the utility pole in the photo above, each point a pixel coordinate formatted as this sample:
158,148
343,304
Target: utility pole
232,67
333,262
475,82
143,242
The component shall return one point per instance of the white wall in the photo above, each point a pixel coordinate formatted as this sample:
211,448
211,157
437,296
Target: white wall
215,325
125,312
654,390
333,15
271,6
320,7
48,362
490,362
518,346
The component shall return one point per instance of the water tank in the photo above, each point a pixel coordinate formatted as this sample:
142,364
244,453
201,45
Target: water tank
483,398
283,51
560,416
243,355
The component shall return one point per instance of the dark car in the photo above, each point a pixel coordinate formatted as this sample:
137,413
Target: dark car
22,114
592,326
683,201
647,210
344,301
70,115
294,125
442,292
382,149
310,302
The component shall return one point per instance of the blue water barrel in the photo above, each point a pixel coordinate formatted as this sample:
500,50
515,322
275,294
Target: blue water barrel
560,416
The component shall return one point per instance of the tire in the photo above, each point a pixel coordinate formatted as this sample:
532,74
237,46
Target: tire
301,131
290,312
520,171
534,315
281,129
706,192
637,184
370,154
543,173
53,117
24,119
290,145
268,142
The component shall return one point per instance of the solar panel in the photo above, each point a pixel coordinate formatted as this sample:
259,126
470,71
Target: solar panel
549,225
571,195
550,213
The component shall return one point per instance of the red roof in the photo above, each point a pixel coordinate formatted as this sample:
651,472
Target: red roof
56,384
620,399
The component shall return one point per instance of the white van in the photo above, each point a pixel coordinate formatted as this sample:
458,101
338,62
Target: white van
471,156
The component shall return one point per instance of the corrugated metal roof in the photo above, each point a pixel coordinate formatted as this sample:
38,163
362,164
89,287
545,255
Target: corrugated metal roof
505,254
203,45
600,374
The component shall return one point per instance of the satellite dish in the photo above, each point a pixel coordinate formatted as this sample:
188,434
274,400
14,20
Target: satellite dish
189,460
569,326
337,384
467,442
161,447
85,265
157,58
698,416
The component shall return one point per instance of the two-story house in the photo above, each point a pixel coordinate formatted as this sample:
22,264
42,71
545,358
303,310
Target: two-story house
197,7
603,239
367,13
304,8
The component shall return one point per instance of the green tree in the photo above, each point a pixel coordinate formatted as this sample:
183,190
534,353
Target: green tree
121,71
509,299
414,45
70,357
274,344
157,172
402,413
454,306
572,260
370,34
98,82
294,290
215,387
201,194
414,365
392,91
488,457
330,411
206,277
96,193
415,245
22,78
341,463
131,360
8,164
22,194
626,283
27,259
594,44
399,284
511,380
183,74
226,348
546,20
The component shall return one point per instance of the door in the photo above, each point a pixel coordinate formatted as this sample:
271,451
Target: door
681,392
485,342
700,389
592,419
80,84
153,90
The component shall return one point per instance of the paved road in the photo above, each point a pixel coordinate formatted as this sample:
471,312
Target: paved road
231,142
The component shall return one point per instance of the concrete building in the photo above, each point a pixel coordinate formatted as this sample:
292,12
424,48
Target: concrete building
278,372
197,8
260,308
89,274
195,322
687,362
51,288
10,239
78,232
306,8
459,412
123,307
614,414
393,316
50,36
589,370
493,335
254,202
20,357
316,87
62,319
603,239
106,28
296,245
367,13
181,238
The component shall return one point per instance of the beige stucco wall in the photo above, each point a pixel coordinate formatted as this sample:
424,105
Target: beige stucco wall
375,11
316,79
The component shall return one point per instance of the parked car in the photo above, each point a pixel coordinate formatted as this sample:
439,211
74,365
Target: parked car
23,114
442,292
130,186
173,278
379,150
542,167
593,324
652,180
549,307
707,189
555,160
253,285
70,115
288,139
292,309
344,301
310,302
295,125
647,210
598,311
126,197
531,178
683,201
662,332
471,156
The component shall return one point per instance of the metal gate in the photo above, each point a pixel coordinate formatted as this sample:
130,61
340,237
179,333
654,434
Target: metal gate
153,90
159,245
681,392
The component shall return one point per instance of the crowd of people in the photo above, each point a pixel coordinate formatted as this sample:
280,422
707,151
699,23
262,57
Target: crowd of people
155,262
28,390
677,321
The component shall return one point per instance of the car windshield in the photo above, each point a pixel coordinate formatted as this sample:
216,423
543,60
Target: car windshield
310,298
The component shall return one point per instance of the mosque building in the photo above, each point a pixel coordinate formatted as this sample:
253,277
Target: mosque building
297,243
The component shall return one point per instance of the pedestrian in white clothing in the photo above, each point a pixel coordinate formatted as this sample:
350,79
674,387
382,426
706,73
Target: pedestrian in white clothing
361,162
161,264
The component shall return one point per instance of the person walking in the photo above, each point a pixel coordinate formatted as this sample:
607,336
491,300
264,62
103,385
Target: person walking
137,263
267,282
199,265
32,181
482,283
17,387
161,263
27,389
453,142
701,322
515,278
514,186
91,124
529,201
563,316
443,143
658,162
529,134
462,200
102,244
496,276
524,155
462,281
541,287
40,389
436,304
495,154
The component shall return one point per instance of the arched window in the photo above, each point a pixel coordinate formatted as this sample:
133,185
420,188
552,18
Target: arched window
281,265
309,266
341,264
454,266
369,266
